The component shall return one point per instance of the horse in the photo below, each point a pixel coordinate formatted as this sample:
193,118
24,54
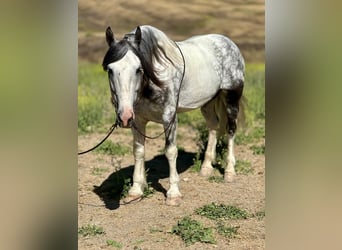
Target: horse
153,78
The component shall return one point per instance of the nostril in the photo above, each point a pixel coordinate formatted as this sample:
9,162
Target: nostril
130,122
118,118
126,117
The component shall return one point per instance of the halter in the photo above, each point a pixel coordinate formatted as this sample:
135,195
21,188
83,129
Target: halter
166,130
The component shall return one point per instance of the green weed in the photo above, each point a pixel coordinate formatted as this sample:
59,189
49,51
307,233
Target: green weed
192,231
127,185
196,166
98,171
226,231
90,230
243,167
254,135
110,148
149,190
114,243
155,230
260,215
258,150
215,178
220,211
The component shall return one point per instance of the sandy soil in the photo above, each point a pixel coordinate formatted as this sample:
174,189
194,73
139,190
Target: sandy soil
146,224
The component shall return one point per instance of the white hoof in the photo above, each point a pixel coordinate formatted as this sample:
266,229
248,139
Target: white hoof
130,199
173,201
206,171
229,177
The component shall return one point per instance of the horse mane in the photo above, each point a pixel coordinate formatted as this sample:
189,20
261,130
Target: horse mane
149,52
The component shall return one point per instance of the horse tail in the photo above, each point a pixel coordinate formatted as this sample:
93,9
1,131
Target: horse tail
242,113
230,106
220,109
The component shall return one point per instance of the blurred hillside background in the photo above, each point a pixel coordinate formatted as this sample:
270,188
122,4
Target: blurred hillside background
241,20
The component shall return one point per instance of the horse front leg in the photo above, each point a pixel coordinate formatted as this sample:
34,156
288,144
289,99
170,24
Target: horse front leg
135,193
174,197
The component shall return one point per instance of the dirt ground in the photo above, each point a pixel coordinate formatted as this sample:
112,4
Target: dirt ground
146,224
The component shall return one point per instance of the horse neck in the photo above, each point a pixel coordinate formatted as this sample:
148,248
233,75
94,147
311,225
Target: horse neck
166,69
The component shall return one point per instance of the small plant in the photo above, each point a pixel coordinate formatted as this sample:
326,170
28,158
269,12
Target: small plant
90,230
148,191
196,166
98,171
114,243
226,231
220,211
258,150
127,185
259,215
155,230
243,167
110,148
243,138
215,178
192,231
255,135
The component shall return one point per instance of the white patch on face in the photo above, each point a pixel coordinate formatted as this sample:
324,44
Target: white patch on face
125,80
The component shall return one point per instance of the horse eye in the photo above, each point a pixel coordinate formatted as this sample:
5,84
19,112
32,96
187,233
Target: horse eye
140,70
109,70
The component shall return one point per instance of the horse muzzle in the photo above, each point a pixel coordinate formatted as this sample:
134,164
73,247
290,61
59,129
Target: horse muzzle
125,118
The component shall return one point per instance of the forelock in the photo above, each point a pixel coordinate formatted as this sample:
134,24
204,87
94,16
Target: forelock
115,53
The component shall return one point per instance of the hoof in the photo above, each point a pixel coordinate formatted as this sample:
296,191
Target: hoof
206,172
173,201
229,177
132,199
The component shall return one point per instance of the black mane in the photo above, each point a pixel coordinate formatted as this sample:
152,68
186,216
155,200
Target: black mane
145,51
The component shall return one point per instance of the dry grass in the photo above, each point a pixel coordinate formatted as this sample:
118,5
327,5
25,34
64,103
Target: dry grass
242,21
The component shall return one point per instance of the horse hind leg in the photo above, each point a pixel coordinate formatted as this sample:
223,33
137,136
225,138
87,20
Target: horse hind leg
208,111
233,97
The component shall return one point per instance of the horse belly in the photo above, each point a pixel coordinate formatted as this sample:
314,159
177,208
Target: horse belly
200,86
201,82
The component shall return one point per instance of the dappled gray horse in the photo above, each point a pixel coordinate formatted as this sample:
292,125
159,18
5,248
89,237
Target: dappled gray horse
152,78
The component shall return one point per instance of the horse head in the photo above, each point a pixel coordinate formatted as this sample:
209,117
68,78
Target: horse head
125,74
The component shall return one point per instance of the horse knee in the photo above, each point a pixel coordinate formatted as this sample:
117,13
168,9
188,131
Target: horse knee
171,152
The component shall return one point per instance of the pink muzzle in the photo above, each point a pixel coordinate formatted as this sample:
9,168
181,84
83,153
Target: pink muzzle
127,117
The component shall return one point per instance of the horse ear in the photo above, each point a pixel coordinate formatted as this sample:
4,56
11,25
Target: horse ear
138,36
109,36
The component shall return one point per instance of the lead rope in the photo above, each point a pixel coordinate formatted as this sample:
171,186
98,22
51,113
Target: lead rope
110,131
174,116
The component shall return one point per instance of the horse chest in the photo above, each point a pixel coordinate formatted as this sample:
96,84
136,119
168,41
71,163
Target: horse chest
150,111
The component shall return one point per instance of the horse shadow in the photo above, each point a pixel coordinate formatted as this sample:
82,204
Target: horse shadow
157,168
